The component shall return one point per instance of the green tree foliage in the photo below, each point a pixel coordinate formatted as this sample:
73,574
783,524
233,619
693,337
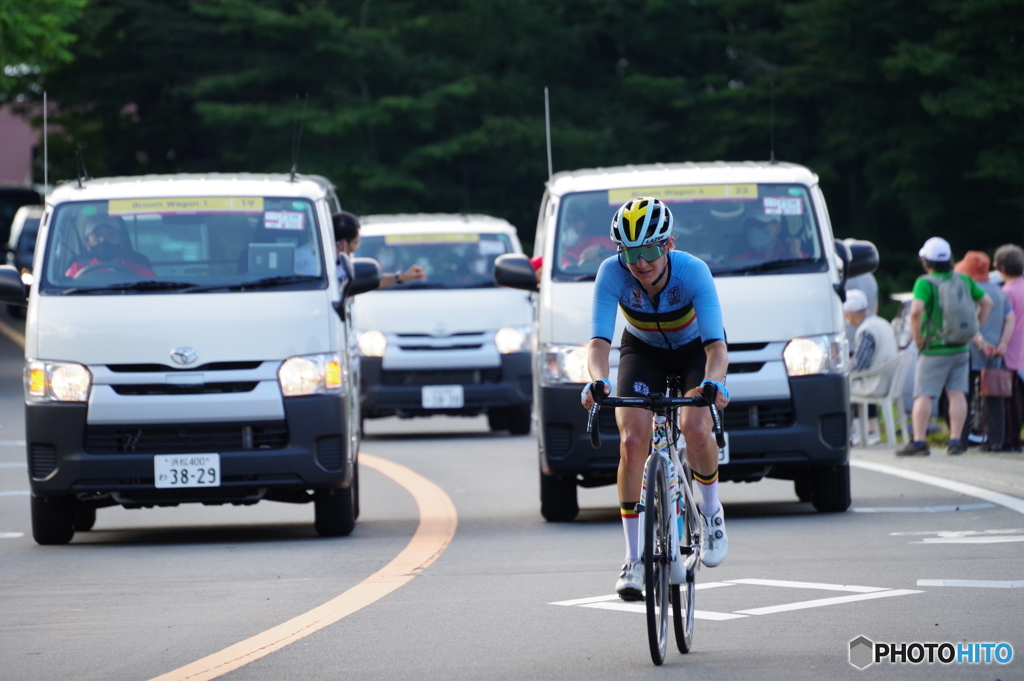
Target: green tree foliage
34,35
905,109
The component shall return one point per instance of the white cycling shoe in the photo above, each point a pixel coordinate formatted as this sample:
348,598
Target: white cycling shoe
630,585
715,546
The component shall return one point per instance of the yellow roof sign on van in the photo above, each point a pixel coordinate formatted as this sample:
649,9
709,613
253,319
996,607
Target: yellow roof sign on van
691,192
395,239
204,204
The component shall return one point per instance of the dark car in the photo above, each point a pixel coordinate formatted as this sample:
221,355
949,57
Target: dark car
11,199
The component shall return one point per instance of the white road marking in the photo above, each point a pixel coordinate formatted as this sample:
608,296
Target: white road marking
802,605
13,465
12,443
1012,503
923,509
11,535
19,493
861,593
984,584
965,536
810,585
969,540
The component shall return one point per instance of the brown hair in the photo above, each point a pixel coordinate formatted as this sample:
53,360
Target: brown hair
1010,260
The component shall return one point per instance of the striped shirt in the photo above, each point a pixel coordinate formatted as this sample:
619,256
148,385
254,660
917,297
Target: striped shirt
686,309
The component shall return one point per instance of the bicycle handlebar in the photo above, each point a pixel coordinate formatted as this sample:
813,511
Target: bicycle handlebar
657,402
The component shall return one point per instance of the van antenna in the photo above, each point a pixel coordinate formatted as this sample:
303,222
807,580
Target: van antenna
46,153
772,127
83,174
547,128
297,136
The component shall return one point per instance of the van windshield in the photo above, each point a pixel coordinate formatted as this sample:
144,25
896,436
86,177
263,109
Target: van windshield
186,245
738,230
456,260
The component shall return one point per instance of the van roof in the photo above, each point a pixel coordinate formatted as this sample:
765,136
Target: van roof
666,174
192,184
432,223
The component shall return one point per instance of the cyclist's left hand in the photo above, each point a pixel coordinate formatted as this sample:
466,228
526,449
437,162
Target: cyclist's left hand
721,400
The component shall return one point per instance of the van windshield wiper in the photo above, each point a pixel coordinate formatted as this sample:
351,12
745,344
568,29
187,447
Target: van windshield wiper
144,285
768,266
267,282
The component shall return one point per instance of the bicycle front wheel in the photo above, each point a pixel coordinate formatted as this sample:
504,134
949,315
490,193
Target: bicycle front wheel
657,519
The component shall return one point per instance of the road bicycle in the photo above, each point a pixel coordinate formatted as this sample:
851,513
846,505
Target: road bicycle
671,539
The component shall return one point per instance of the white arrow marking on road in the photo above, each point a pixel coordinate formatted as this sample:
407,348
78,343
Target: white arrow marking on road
971,582
11,535
968,540
862,593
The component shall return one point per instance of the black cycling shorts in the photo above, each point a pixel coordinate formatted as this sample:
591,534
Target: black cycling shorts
644,368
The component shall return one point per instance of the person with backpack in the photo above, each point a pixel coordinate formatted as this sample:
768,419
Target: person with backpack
946,312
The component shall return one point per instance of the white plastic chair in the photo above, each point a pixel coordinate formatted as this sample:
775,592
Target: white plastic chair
895,374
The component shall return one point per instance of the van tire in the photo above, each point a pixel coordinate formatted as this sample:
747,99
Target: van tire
832,489
85,517
53,519
804,488
334,512
558,502
516,420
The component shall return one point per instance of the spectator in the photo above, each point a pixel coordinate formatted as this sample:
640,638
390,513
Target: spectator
866,283
1009,261
874,347
991,341
346,240
944,365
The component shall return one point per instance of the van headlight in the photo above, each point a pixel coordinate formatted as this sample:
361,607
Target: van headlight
310,375
511,338
372,343
817,355
56,382
565,364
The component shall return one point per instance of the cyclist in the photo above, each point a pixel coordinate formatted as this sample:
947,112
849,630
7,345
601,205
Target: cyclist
673,327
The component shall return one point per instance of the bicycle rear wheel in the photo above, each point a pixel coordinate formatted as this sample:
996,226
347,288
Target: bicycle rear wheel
656,559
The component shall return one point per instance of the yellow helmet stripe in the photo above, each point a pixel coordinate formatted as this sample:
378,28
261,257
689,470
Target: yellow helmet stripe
634,215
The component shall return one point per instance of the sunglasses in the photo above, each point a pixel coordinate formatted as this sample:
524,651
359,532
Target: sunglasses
650,253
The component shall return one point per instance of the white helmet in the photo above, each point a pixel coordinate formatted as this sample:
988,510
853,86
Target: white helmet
641,221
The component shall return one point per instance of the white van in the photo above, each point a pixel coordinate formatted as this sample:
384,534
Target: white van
764,230
453,343
186,342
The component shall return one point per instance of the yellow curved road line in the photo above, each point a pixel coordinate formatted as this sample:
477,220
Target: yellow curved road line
438,520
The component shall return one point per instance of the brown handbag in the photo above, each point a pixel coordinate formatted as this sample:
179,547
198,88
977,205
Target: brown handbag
997,382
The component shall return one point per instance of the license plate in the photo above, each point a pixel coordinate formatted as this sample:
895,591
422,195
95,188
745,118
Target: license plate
723,452
443,397
186,470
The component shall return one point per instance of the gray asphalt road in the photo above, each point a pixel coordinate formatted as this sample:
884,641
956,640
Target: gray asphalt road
148,591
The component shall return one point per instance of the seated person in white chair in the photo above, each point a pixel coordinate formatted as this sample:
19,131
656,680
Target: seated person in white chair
874,346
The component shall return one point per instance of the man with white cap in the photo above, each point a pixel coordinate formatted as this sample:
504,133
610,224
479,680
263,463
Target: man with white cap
874,346
943,320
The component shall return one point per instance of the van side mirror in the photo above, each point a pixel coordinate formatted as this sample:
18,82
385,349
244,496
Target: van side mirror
863,257
365,276
12,289
514,270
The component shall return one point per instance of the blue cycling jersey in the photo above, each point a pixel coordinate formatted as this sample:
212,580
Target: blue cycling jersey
687,308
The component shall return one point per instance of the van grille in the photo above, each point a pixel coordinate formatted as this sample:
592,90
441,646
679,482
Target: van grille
834,430
184,439
557,441
42,461
199,389
453,377
159,368
764,415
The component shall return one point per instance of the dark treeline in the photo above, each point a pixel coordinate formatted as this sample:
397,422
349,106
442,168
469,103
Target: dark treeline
909,110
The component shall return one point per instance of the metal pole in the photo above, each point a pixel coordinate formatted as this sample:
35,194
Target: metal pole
46,152
547,128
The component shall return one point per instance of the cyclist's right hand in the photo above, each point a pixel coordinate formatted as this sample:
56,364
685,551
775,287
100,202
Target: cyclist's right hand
587,395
